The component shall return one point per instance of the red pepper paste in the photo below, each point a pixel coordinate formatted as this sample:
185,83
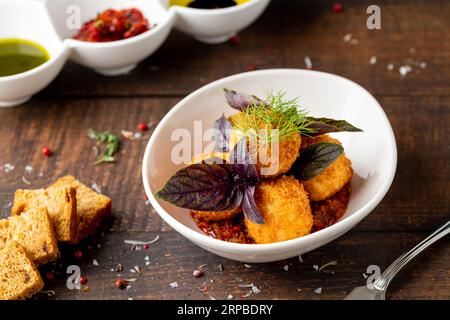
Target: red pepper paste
326,213
113,25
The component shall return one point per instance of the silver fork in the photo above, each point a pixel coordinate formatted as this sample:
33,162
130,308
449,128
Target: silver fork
378,292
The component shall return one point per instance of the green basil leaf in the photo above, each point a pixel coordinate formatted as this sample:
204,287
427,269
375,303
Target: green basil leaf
326,125
315,159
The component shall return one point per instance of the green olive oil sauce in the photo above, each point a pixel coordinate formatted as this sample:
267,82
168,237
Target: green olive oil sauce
19,55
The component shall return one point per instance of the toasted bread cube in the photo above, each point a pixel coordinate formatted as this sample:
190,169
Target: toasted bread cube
61,205
91,206
34,231
285,207
333,178
19,277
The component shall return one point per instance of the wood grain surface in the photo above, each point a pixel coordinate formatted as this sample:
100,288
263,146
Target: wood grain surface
418,106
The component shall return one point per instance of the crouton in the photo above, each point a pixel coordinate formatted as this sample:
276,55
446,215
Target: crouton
34,231
284,205
333,178
19,277
91,206
61,206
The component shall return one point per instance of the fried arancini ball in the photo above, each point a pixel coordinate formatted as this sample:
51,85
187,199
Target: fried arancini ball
284,204
217,215
288,150
209,157
333,178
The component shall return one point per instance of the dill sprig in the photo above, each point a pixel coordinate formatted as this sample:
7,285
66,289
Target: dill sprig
278,119
112,144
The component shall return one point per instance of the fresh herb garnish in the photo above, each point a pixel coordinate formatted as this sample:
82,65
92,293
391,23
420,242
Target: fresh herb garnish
215,187
112,144
278,119
326,125
222,134
315,159
241,101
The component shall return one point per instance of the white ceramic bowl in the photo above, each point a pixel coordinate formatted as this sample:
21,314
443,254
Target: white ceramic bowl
28,19
115,57
51,24
373,152
218,25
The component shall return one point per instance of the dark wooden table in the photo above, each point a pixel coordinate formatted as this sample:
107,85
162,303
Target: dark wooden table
418,106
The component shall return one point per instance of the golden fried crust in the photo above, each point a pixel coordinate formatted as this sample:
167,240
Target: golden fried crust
262,153
284,204
333,178
288,150
217,215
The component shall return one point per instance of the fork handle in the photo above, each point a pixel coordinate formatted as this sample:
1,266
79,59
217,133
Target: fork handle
383,281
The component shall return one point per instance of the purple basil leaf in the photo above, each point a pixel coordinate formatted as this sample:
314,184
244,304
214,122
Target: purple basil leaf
222,134
240,158
207,187
241,101
316,158
239,154
249,206
326,125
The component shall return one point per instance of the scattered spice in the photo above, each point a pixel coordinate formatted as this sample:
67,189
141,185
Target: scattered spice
316,267
95,262
390,66
308,63
119,268
25,180
146,246
142,126
234,40
220,267
49,293
78,254
300,258
318,290
96,188
230,297
199,271
50,276
83,280
404,70
173,285
138,270
112,144
7,167
328,264
373,60
85,288
338,7
28,169
46,152
286,268
141,243
121,284
251,67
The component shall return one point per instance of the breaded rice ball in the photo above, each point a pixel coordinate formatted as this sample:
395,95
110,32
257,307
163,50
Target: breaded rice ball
284,204
209,157
218,215
333,178
288,151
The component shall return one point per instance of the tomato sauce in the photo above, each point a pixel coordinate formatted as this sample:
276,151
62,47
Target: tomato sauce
326,213
113,25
